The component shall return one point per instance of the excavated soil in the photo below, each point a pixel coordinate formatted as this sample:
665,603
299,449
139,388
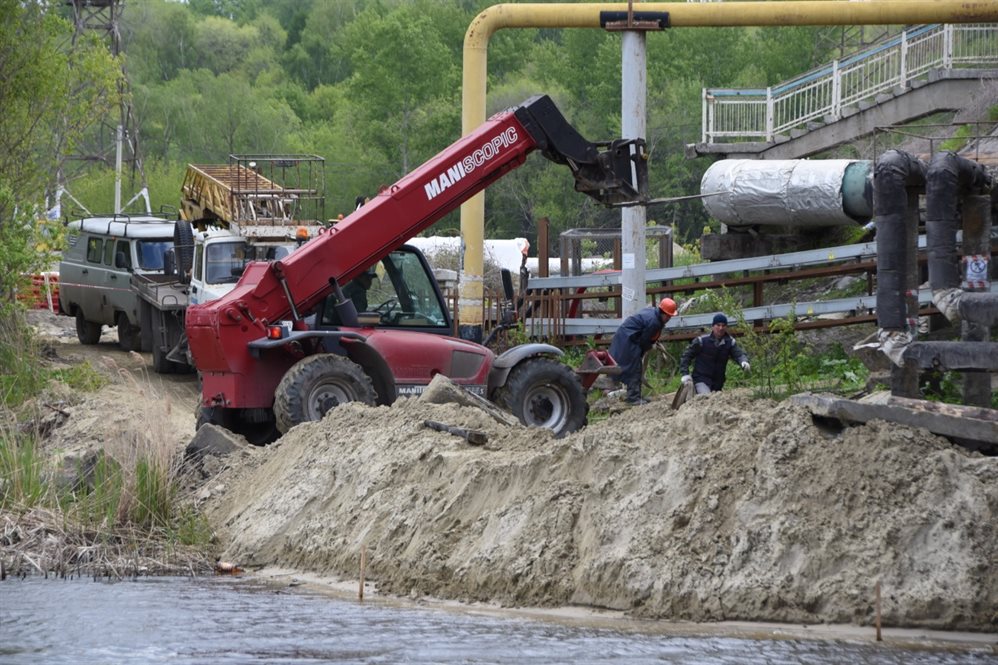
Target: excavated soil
727,509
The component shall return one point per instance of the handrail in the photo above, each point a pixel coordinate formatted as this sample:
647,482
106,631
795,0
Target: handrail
824,92
775,261
543,324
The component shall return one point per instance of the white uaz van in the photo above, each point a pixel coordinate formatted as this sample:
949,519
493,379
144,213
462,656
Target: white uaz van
96,269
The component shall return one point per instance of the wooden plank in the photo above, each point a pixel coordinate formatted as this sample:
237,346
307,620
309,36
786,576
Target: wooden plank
956,410
900,411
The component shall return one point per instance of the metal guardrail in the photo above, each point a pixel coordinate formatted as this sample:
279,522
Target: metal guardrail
589,327
788,261
545,325
823,93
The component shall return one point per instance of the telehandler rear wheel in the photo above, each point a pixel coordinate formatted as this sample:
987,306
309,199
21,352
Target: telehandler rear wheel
544,393
316,384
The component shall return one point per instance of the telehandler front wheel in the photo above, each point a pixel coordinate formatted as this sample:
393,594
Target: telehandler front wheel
545,393
316,384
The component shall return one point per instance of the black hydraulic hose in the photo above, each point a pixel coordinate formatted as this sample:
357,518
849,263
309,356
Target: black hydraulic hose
949,178
896,172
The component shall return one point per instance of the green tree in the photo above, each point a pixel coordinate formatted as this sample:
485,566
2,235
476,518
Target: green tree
53,89
406,81
200,117
221,46
158,38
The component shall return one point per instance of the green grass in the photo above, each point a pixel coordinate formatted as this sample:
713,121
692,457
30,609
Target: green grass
24,374
21,481
127,490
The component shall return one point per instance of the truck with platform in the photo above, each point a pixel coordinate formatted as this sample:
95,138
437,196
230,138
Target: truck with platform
288,344
255,207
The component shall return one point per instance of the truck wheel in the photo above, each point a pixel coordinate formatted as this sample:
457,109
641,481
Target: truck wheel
129,336
86,331
183,246
544,393
160,364
316,384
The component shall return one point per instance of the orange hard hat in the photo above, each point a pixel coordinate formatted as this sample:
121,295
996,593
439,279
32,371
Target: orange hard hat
668,305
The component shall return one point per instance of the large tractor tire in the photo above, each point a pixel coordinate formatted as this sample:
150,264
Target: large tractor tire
129,336
183,247
545,393
87,332
316,384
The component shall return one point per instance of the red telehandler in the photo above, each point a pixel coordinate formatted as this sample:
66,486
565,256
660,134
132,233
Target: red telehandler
289,342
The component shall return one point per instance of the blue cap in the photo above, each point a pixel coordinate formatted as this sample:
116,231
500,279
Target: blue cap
720,318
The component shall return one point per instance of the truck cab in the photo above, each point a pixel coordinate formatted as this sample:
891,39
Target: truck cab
96,267
220,255
398,292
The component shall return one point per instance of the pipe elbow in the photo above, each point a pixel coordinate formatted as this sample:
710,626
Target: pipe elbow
947,301
893,343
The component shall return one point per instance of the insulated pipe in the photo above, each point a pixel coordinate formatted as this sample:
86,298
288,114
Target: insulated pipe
561,15
802,193
948,179
895,173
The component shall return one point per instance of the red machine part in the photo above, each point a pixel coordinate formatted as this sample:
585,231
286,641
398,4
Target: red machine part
219,332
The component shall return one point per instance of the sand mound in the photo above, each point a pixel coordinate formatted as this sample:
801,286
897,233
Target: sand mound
730,508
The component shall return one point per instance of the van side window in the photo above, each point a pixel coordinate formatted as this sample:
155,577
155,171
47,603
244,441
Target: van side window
109,253
125,249
95,248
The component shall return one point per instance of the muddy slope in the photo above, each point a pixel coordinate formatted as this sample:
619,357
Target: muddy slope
727,509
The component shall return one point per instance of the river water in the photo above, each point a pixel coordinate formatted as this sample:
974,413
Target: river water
225,620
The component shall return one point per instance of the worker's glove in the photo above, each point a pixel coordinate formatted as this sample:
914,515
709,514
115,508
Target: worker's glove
746,366
687,378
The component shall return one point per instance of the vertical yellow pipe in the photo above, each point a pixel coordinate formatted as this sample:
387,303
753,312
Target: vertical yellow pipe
711,14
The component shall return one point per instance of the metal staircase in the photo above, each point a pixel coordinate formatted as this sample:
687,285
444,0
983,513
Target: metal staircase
924,70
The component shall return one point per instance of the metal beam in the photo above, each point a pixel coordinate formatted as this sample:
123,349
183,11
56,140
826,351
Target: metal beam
585,327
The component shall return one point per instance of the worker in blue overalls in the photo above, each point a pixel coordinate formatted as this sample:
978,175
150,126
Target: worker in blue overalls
635,336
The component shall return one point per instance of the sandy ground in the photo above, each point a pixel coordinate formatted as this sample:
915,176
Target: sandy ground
728,510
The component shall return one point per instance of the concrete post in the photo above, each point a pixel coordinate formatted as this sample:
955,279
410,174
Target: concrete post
633,96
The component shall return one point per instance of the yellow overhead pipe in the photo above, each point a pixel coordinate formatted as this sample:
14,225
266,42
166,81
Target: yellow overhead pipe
681,15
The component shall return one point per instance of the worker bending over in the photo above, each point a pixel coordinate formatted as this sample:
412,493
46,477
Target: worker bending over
635,336
710,354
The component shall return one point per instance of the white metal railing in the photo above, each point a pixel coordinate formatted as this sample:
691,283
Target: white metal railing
822,93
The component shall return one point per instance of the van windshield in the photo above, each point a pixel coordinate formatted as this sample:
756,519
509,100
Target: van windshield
151,252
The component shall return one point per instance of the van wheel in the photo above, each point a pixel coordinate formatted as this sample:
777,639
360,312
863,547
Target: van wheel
87,331
129,336
545,393
183,246
316,384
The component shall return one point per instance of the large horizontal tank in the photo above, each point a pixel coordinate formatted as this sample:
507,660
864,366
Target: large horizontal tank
789,192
